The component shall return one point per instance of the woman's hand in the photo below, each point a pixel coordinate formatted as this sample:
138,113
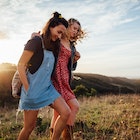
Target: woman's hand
22,67
35,34
77,56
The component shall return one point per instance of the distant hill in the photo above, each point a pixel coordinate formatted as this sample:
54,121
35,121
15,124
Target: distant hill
102,84
105,84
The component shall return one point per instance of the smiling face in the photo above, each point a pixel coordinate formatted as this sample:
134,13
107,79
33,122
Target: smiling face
57,32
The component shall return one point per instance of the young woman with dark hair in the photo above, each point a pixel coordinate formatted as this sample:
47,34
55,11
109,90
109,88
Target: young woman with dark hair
37,90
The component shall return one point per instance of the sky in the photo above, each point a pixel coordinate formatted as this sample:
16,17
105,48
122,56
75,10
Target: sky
112,44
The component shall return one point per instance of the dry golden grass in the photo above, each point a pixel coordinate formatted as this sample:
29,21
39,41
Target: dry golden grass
109,117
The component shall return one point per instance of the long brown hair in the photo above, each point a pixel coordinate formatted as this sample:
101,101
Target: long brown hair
56,20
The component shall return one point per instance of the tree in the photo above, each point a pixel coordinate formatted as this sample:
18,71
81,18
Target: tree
80,90
93,92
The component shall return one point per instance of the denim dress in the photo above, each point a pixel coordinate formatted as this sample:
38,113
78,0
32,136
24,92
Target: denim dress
41,91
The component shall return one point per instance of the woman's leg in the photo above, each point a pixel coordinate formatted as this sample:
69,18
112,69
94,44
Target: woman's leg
68,131
74,106
30,118
54,118
64,111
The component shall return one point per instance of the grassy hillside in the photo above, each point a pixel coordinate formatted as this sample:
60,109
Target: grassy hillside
6,73
115,116
109,117
104,84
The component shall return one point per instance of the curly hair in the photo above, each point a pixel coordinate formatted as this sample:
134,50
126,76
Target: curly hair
81,34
